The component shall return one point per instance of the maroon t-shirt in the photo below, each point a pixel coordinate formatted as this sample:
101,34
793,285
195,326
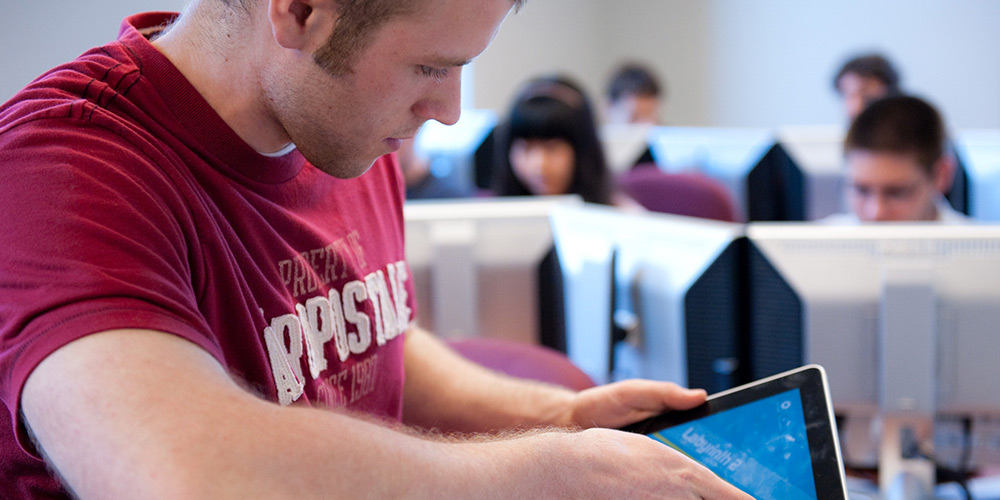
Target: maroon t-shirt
129,203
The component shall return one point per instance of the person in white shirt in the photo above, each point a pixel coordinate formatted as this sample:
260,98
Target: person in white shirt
898,164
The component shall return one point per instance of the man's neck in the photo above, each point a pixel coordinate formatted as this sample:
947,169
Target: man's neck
216,56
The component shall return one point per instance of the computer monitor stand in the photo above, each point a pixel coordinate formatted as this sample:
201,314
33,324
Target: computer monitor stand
905,473
908,355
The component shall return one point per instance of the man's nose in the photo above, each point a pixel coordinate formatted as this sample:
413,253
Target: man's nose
444,101
878,209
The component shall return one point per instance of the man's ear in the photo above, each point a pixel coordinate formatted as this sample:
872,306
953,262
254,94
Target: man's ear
301,24
944,172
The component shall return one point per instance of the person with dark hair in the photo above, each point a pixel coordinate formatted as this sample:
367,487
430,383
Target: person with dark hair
898,164
548,145
863,79
204,284
634,95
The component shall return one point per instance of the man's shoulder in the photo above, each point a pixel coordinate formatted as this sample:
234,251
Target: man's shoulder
85,124
84,89
106,106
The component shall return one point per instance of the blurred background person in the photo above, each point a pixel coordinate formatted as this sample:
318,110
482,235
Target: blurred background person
863,79
898,164
548,145
633,95
632,101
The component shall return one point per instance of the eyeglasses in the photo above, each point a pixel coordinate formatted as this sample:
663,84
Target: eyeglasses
887,194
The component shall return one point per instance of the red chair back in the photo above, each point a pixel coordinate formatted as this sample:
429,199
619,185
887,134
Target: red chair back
523,360
687,193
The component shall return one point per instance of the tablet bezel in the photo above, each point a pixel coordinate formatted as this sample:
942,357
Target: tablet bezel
821,429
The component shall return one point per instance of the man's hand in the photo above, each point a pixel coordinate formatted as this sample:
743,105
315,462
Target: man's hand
619,404
606,464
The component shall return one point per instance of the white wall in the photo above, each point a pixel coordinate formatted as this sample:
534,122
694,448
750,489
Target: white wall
785,55
756,62
37,35
585,38
726,62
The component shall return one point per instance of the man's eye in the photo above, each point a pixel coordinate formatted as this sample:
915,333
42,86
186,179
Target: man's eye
898,193
435,73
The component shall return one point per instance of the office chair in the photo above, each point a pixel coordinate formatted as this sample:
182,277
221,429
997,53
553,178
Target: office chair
523,360
686,193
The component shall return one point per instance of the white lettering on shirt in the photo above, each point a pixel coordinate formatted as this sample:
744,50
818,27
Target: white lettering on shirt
289,386
308,271
339,317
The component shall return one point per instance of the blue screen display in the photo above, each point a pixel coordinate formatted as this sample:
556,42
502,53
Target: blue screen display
760,447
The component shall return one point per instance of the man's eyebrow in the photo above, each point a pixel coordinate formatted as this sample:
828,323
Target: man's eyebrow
447,62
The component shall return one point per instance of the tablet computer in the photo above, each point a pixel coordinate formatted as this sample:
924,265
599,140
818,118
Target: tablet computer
775,438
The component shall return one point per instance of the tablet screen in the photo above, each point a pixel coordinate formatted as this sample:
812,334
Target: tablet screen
774,439
761,447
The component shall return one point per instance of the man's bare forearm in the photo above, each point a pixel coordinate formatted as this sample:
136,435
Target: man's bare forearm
447,392
177,427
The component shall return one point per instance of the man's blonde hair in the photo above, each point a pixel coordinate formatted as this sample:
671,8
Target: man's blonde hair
357,23
356,26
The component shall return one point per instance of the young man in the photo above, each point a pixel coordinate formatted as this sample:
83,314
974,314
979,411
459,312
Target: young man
205,293
632,101
898,166
863,79
633,96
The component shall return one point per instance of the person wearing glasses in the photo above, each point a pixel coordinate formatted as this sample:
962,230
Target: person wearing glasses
898,164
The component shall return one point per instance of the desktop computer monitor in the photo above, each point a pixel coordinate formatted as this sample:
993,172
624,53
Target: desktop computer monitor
625,145
486,268
728,155
979,153
801,177
673,282
793,173
903,317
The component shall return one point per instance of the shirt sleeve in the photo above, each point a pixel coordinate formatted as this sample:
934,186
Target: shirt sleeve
94,238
